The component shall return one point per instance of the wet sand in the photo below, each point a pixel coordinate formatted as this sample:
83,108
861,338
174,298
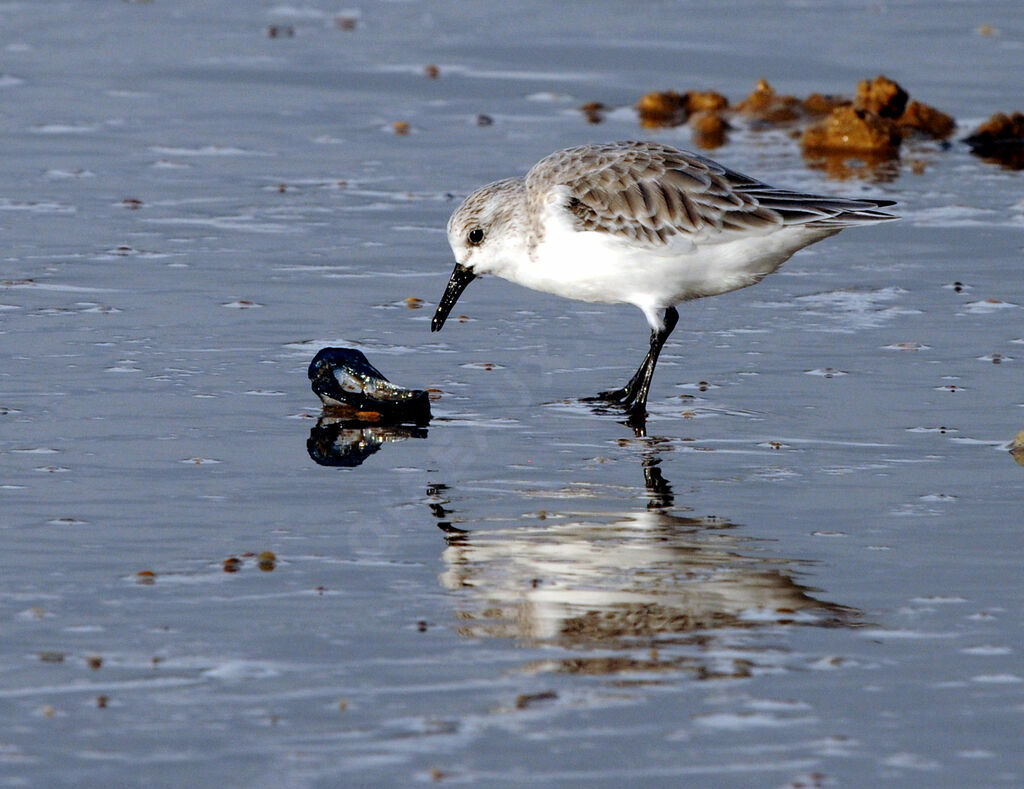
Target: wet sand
807,571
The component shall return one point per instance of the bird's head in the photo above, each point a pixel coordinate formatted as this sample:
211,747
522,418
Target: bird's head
485,235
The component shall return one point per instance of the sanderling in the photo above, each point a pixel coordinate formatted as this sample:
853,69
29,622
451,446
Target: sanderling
637,223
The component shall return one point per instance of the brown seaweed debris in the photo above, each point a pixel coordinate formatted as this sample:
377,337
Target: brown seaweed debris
926,120
764,105
881,96
1000,139
658,110
593,111
669,108
854,130
855,140
868,126
1017,448
887,99
705,101
818,104
709,129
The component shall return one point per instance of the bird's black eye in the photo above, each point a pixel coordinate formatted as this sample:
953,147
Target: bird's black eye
476,236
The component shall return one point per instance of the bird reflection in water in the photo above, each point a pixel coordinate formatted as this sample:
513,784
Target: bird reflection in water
665,592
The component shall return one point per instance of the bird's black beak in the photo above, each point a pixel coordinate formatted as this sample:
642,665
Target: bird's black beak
461,277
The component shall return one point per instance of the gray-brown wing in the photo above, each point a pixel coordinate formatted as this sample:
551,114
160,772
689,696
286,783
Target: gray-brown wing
652,193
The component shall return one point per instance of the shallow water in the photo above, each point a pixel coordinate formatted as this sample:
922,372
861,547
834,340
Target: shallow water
808,570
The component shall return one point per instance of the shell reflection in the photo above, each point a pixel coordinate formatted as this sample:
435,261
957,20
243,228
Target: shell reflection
341,442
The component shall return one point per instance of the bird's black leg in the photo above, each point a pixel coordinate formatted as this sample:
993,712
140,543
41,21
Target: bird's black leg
634,394
638,408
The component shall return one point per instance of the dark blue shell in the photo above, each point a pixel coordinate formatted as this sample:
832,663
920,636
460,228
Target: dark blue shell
347,383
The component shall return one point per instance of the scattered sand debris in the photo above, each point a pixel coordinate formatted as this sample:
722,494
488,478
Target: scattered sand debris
659,110
1000,139
593,111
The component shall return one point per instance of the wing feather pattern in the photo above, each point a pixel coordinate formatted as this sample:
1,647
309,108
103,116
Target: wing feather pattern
654,194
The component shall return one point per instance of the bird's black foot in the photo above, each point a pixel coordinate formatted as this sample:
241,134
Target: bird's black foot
637,418
618,396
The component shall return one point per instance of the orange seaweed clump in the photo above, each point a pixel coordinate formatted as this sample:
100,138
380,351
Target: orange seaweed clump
823,104
854,130
1000,140
705,101
1017,448
709,128
881,96
1000,129
920,117
593,111
658,110
767,106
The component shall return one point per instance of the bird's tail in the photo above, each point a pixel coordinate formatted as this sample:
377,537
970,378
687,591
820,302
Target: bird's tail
821,211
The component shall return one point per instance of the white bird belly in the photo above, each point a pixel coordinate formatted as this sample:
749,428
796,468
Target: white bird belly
599,267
